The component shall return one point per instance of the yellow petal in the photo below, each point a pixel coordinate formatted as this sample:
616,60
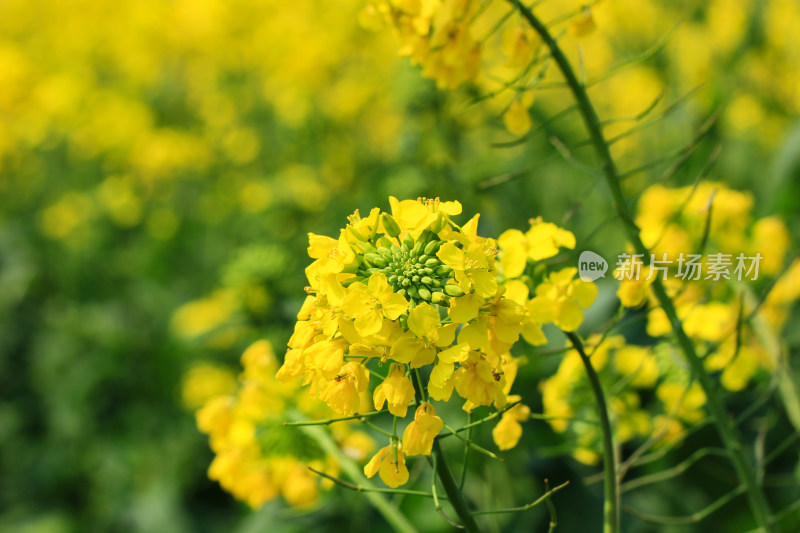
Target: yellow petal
569,316
394,305
377,285
532,332
393,474
446,335
451,256
405,349
584,292
425,356
464,308
516,291
507,432
484,282
517,119
374,464
456,354
423,320
369,322
475,334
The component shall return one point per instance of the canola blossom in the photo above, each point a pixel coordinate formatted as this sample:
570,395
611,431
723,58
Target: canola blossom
716,311
488,46
656,397
257,458
420,296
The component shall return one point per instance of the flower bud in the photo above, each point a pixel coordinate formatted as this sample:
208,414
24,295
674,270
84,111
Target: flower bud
390,225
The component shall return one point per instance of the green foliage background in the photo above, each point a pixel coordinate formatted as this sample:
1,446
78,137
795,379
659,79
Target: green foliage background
154,152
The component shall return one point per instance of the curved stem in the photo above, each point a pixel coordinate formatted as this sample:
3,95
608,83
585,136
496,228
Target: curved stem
727,431
392,514
611,488
451,488
453,492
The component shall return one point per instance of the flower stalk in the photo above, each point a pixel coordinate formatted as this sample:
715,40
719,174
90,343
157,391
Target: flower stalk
396,519
727,431
451,487
611,505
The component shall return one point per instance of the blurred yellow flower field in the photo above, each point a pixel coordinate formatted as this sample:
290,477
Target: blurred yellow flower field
245,285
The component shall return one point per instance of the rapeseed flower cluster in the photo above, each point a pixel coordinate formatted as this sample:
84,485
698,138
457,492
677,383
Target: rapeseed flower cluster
488,45
715,222
631,373
415,293
257,458
654,394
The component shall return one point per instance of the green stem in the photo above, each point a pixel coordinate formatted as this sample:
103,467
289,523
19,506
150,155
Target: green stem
727,431
329,421
451,488
466,452
611,489
453,493
392,514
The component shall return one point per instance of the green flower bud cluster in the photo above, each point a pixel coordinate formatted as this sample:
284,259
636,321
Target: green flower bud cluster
412,268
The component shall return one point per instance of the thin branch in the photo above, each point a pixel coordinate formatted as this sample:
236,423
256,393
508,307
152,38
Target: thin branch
359,488
328,421
690,519
644,56
526,507
676,470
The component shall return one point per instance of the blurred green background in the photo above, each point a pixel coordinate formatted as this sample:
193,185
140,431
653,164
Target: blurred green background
161,162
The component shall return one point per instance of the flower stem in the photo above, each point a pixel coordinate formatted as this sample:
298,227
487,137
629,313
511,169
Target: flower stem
453,493
727,431
392,514
451,488
611,488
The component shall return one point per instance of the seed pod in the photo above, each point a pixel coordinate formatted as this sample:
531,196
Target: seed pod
424,293
366,247
432,262
443,270
418,247
425,237
408,241
432,247
376,260
390,225
453,290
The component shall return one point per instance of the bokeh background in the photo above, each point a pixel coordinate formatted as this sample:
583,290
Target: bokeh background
161,162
